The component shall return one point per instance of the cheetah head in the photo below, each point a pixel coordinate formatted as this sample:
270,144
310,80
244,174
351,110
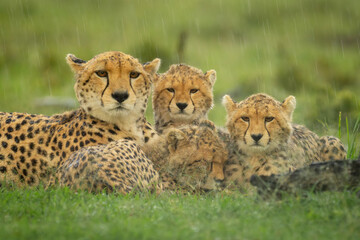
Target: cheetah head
113,85
259,123
197,156
183,94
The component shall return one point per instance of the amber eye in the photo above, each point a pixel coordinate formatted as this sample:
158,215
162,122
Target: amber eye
101,73
194,90
134,74
269,119
245,119
170,90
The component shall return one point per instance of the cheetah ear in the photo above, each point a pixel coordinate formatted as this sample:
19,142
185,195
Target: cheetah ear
173,137
156,77
211,76
153,66
204,132
76,64
228,103
207,124
288,106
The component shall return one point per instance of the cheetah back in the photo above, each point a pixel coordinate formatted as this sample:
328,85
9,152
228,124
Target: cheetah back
119,166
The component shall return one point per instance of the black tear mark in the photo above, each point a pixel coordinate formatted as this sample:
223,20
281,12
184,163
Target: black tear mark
131,86
170,100
192,103
267,132
246,131
107,85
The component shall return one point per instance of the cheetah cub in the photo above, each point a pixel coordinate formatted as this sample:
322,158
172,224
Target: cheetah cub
182,96
267,142
112,89
193,159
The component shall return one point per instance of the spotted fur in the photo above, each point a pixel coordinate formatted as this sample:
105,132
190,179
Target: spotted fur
112,89
120,166
331,148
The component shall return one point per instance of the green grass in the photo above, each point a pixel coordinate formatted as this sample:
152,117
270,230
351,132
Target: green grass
63,214
353,148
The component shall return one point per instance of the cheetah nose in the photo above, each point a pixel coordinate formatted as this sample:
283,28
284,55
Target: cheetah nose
256,137
218,180
120,96
181,106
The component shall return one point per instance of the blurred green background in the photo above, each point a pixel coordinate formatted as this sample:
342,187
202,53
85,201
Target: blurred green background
306,48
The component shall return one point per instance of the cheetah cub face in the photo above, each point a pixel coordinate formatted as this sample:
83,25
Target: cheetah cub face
182,94
259,123
197,156
112,85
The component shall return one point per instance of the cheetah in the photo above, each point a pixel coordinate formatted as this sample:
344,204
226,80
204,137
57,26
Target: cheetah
112,89
336,175
195,157
181,96
185,161
265,141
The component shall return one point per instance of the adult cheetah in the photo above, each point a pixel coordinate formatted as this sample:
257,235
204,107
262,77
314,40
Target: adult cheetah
112,89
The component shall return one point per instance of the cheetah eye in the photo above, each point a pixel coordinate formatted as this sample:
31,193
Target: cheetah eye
101,73
194,90
269,119
245,119
170,90
134,74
